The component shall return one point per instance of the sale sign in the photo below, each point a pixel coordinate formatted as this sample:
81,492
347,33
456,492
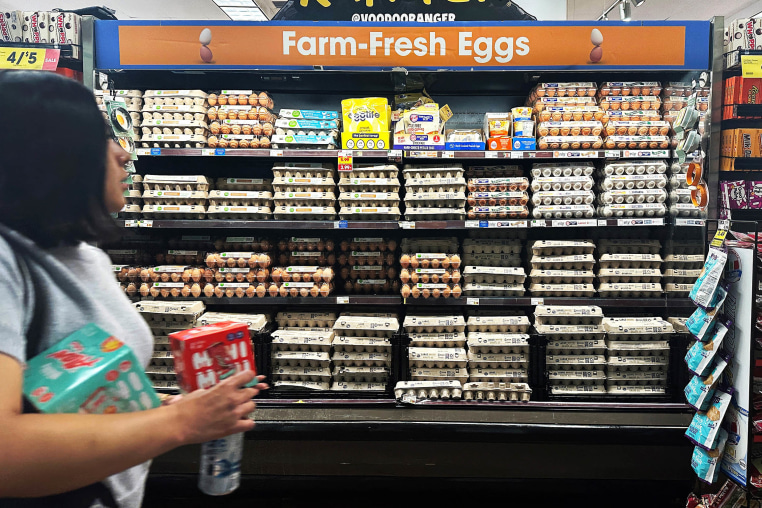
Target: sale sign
29,59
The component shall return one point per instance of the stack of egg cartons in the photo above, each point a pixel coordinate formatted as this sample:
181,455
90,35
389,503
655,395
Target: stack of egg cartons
497,192
240,119
639,126
174,119
567,115
132,101
370,192
498,351
301,350
576,348
304,268
434,192
164,318
632,189
362,351
638,355
563,190
430,268
629,268
562,268
133,198
238,273
683,262
493,267
241,198
367,266
175,196
437,353
304,191
680,204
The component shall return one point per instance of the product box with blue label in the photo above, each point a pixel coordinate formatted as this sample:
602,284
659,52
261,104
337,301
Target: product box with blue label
419,142
465,140
524,144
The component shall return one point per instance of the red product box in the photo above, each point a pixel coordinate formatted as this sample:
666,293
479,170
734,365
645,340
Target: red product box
206,355
740,90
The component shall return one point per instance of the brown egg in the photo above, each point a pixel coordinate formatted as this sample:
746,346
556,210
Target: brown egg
236,129
212,99
314,291
154,291
256,129
414,261
195,275
325,290
212,142
405,260
214,128
246,130
185,291
456,291
264,142
131,289
405,290
240,292
232,100
209,291
283,291
296,277
293,292
251,114
273,290
446,292
327,274
195,290
264,99
219,276
404,275
416,292
267,129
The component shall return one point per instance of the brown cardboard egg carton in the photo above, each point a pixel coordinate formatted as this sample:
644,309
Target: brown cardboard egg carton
356,386
370,213
173,197
562,169
497,212
354,344
627,390
304,170
562,183
293,342
494,289
301,359
304,213
630,261
173,141
632,196
355,359
133,197
434,324
433,199
243,184
632,348
577,390
570,262
130,212
175,93
434,374
630,290
678,289
586,362
170,114
637,378
374,170
175,183
502,324
491,259
429,357
366,326
498,375
299,385
351,374
491,246
562,247
649,363
305,319
561,290
416,171
315,374
504,184
415,214
429,248
624,327
577,347
293,199
355,185
239,198
561,277
152,130
255,322
629,275
576,315
555,198
413,391
316,184
162,358
239,212
152,104
498,343
497,392
563,377
498,360
515,198
494,275
440,340
627,182
679,276
369,199
165,314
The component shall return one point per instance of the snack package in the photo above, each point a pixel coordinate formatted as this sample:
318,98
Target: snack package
705,288
702,320
90,371
700,390
700,355
704,428
209,354
704,462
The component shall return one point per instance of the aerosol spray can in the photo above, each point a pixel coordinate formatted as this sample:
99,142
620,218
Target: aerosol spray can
220,472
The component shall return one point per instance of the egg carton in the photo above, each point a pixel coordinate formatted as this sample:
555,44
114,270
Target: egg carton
502,324
171,114
173,141
240,275
412,391
422,213
175,183
494,275
429,357
498,375
563,212
543,277
170,314
488,171
633,328
373,272
305,319
439,340
421,290
630,196
374,170
518,198
435,260
281,184
359,185
130,212
630,102
243,184
562,247
498,212
159,374
302,385
498,343
192,103
564,183
344,344
175,93
439,244
366,326
677,182
563,377
314,374
351,374
166,273
631,88
363,258
433,199
626,390
497,360
304,213
293,199
569,129
491,246
497,392
569,262
494,289
683,247
369,199
565,316
255,322
686,210
356,359
630,290
170,197
679,169
243,97
638,348
549,198
492,259
416,171
556,170
510,184
638,378
137,182
300,359
162,358
684,261
432,185
678,289
571,390
243,115
174,212
633,210
561,290
125,273
238,141
239,198
183,127
308,244
302,289
630,261
545,102
643,167
629,182
432,323
371,286
629,275
289,342
569,142
358,386
585,362
681,276
639,128
566,113
678,323
238,259
657,363
133,197
434,374
629,246
304,170
563,90
372,213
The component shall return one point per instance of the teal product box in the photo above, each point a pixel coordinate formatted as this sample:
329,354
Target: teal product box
90,371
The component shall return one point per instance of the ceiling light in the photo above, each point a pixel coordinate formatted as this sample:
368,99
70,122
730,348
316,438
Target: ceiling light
235,3
244,13
625,11
638,3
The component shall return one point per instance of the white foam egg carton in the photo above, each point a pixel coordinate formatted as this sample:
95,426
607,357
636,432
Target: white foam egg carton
437,357
318,199
174,212
359,359
255,322
174,197
629,275
544,277
576,347
498,343
381,213
301,359
564,183
626,390
497,360
562,247
432,171
295,385
412,391
494,289
305,319
243,184
638,363
451,185
374,170
632,210
619,182
638,167
316,374
354,344
171,114
369,199
435,199
441,340
440,213
519,198
546,169
497,392
239,198
630,290
343,373
577,390
563,212
628,246
562,377
492,260
498,375
360,184
435,374
632,196
684,261
630,261
570,262
304,213
434,324
637,378
686,210
357,386
510,184
678,182
494,275
678,289
502,324
304,170
550,198
175,183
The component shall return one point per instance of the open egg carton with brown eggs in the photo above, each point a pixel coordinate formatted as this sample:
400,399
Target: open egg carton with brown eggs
363,342
582,89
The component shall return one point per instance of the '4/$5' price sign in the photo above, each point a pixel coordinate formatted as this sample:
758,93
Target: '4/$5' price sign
29,58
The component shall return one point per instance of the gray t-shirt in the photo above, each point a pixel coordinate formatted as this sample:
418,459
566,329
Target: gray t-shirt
72,286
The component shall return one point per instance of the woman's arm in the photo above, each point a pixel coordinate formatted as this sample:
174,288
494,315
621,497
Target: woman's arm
45,454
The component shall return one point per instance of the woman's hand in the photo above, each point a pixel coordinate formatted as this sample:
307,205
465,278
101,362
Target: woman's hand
222,410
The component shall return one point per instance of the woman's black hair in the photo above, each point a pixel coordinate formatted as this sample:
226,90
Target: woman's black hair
53,147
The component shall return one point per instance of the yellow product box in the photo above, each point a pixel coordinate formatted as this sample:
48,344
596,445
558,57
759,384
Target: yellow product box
741,143
365,140
370,114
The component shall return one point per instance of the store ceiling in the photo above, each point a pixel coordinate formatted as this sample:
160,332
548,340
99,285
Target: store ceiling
667,9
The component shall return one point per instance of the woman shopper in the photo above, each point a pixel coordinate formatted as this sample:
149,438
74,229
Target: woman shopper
60,177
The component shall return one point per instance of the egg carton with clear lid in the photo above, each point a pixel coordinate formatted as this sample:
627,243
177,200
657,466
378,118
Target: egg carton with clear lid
494,275
638,128
573,277
518,198
301,359
494,170
686,210
430,185
498,343
240,198
568,262
561,169
304,213
232,97
366,326
498,375
238,259
629,275
170,313
505,184
315,374
306,319
380,213
629,246
302,385
630,261
175,197
413,391
541,103
569,142
439,340
678,289
639,142
435,374
430,275
174,212
576,347
630,290
562,183
167,273
633,210
627,88
491,259
304,170
567,113
175,183
356,359
566,129
416,171
353,185
431,324
678,196
683,261
355,344
498,360
302,289
432,290
679,276
497,392
583,315
244,184
562,247
651,363
580,89
677,182
679,168
241,275
620,182
630,102
561,378
375,258
563,212
639,167
373,272
498,212
352,374
292,184
556,198
632,196
290,199
636,378
241,114
491,246
238,141
633,116
369,199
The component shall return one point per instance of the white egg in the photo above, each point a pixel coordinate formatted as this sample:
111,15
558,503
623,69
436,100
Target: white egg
596,37
206,37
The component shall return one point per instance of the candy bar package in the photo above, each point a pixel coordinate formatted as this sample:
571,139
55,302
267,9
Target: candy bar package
703,430
700,390
701,354
702,320
704,462
705,288
90,371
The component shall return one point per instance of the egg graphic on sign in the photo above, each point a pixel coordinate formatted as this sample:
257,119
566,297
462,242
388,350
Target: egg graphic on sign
596,38
205,39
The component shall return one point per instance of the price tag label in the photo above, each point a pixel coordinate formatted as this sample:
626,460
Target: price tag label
537,301
448,155
143,151
517,155
490,155
472,223
722,232
407,225
276,153
690,222
640,222
207,152
602,222
342,300
395,154
751,66
146,224
130,223
574,223
29,59
345,160
340,224
472,301
613,154
539,223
